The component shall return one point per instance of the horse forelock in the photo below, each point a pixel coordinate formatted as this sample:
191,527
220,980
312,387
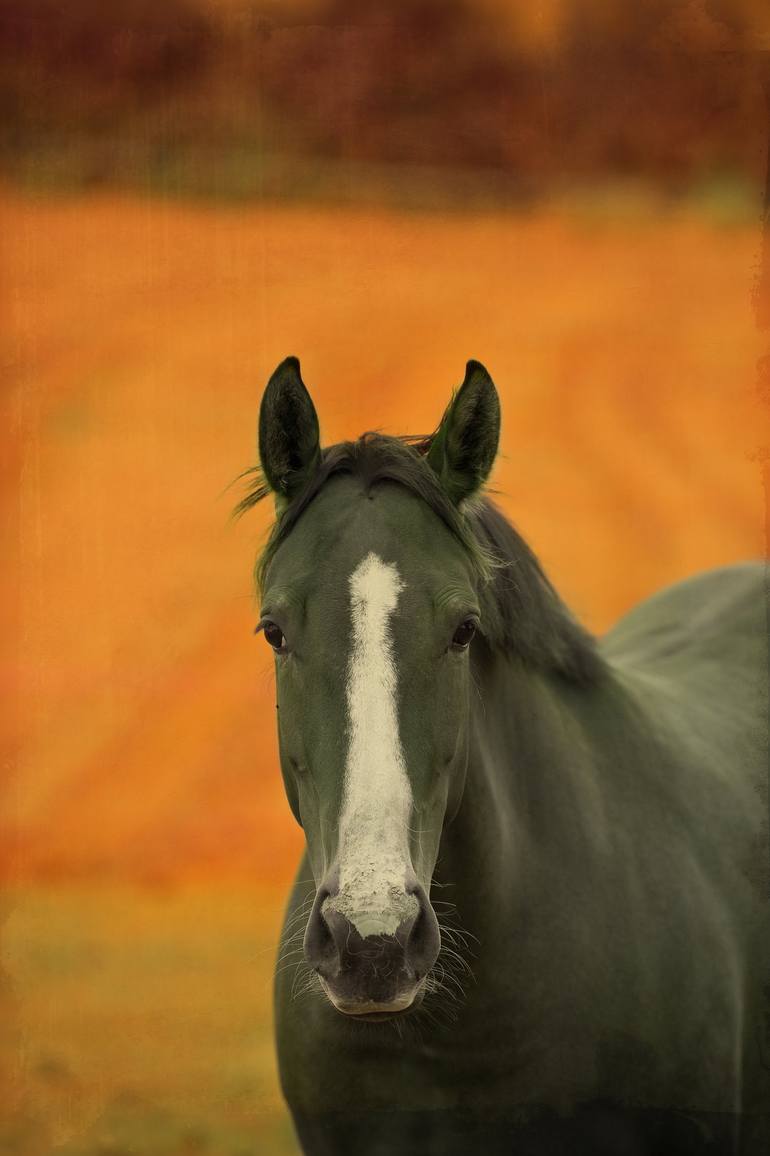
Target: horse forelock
522,614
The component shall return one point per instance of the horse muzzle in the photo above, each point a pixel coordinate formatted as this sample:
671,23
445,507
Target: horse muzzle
372,964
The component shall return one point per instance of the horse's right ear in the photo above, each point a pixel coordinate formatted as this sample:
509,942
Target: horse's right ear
289,438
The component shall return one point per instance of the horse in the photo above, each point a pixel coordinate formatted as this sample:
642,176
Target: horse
532,912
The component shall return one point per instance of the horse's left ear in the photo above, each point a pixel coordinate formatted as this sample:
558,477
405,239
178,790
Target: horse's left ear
464,447
289,438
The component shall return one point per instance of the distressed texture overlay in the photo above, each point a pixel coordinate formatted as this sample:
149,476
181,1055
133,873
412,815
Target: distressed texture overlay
171,227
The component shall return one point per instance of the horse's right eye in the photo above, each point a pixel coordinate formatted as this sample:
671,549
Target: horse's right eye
274,636
464,634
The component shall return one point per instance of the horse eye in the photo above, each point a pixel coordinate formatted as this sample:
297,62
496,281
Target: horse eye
464,634
274,636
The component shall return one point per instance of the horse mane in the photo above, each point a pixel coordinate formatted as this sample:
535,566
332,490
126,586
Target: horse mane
521,612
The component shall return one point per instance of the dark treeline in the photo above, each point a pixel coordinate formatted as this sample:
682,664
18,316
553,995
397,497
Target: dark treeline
656,90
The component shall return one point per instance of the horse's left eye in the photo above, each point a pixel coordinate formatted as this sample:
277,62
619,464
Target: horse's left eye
464,634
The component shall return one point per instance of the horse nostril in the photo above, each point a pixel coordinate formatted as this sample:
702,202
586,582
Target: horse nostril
319,944
423,940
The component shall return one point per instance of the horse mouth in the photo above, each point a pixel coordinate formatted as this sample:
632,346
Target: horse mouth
371,1010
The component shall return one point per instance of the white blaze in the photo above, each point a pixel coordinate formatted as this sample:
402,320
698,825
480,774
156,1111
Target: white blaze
373,850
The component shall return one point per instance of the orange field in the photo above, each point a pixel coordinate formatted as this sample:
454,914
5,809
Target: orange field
146,845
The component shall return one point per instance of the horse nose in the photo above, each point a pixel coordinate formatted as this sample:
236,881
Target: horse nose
339,938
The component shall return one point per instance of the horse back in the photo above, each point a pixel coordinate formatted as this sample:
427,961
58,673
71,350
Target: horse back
719,616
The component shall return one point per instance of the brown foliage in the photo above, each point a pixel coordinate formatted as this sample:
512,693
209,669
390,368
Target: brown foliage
658,89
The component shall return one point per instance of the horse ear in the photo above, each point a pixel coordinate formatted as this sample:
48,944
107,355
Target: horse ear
464,447
289,438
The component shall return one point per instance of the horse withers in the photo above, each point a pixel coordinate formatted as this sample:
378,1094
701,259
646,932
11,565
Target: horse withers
532,915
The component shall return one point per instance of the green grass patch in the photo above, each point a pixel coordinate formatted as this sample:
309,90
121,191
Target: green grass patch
141,1022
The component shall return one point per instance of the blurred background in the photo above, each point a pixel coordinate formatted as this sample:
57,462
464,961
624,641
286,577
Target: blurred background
571,191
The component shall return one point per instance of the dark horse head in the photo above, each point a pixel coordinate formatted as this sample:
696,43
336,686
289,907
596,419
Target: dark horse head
370,606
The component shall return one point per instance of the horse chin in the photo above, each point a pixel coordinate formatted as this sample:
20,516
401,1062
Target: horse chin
373,1011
